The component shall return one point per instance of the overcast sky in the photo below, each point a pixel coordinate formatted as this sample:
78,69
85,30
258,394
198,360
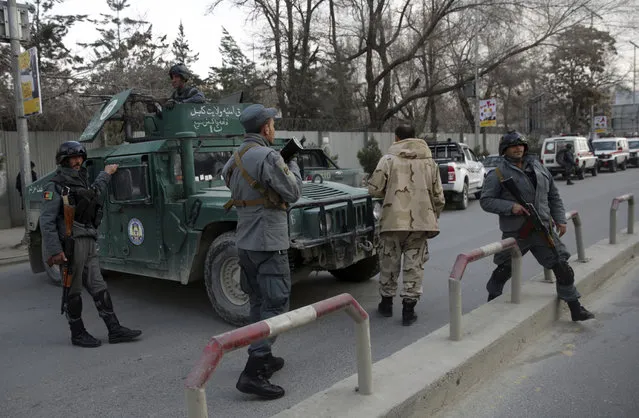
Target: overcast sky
202,31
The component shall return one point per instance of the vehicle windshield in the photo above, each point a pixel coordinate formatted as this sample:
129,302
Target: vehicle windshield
604,146
490,161
633,144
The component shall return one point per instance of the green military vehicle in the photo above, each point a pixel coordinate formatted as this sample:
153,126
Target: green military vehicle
164,215
315,164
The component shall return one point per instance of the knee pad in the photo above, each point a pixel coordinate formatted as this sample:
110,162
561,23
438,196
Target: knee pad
74,306
502,273
564,273
103,302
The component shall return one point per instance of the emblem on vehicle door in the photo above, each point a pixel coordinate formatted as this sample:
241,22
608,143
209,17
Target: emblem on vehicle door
136,231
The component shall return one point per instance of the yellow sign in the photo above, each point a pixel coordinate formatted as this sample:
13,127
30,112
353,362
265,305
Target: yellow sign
30,82
487,113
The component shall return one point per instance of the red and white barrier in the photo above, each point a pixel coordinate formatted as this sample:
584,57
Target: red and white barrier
242,337
457,272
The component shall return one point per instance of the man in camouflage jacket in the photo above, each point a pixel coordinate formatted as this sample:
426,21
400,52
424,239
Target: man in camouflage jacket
408,179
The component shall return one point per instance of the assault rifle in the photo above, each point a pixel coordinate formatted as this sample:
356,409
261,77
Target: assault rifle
67,267
534,218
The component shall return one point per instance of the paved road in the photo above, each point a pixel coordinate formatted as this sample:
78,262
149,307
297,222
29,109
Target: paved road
44,376
574,370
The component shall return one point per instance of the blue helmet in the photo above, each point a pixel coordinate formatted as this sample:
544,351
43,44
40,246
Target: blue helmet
511,139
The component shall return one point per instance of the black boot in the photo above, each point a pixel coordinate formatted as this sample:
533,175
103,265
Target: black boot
254,382
385,307
272,364
578,312
117,333
408,312
79,335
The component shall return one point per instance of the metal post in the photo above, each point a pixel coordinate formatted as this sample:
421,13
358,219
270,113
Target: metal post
515,285
455,308
21,121
364,357
613,226
196,403
581,251
631,215
634,72
548,276
477,85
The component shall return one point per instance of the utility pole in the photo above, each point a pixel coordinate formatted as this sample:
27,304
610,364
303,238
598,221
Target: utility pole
21,121
634,72
477,87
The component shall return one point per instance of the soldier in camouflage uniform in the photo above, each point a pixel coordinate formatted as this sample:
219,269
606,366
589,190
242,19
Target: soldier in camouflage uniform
179,76
408,179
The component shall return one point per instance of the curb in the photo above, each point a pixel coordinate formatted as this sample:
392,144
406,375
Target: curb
423,378
5,261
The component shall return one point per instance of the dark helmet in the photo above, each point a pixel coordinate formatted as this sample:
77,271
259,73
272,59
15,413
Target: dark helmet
70,149
181,70
511,139
569,146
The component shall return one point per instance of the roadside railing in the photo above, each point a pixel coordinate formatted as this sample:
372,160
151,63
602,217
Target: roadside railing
241,337
630,198
581,251
456,274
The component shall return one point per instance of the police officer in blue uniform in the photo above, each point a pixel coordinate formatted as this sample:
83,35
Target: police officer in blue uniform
262,186
87,200
537,186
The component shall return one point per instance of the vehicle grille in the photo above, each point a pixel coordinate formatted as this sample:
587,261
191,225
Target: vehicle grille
316,191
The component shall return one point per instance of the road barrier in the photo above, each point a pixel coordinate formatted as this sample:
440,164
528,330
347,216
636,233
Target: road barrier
630,198
241,337
456,274
581,251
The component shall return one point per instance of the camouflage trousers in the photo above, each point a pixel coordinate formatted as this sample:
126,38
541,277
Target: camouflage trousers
414,247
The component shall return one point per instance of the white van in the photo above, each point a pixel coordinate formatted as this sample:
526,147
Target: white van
613,153
584,158
633,145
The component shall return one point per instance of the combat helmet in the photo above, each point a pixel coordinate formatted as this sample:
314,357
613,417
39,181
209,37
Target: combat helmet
181,70
70,149
511,139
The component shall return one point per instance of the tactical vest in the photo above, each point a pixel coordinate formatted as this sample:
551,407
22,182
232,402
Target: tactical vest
270,198
88,209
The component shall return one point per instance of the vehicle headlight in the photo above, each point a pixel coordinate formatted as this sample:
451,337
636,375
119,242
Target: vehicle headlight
377,210
329,224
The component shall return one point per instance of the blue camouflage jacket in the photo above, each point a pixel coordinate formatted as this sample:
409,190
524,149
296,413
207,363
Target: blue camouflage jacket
496,199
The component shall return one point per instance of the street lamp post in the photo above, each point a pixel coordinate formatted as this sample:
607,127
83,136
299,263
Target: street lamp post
634,72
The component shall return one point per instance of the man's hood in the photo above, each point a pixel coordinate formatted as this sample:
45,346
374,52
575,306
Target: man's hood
411,148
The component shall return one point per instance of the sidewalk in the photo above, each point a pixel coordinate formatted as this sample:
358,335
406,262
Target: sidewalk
11,250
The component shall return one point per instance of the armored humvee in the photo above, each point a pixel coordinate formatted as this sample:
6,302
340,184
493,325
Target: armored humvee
163,216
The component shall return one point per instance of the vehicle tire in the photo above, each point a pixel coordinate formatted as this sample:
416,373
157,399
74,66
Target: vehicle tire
613,166
53,273
359,272
595,170
463,202
622,166
222,279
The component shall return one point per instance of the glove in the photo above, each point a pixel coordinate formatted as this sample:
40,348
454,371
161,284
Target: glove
169,104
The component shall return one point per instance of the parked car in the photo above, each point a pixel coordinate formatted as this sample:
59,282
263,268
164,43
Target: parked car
633,147
460,170
585,159
612,152
490,162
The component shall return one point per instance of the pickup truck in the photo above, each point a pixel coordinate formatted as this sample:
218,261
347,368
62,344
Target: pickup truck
460,171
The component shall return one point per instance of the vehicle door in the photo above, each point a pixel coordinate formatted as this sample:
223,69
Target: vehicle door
474,168
133,212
